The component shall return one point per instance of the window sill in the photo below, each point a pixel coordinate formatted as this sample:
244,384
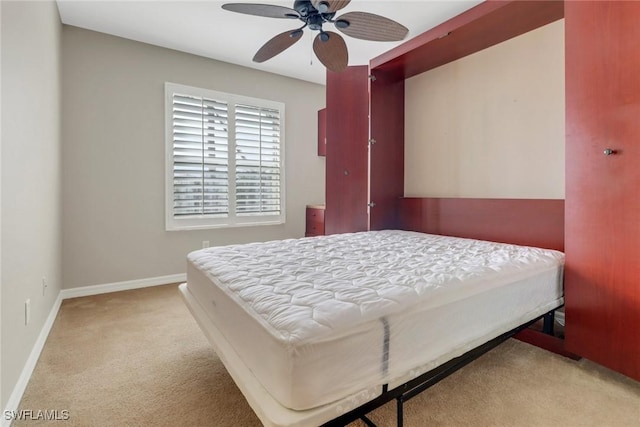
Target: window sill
222,226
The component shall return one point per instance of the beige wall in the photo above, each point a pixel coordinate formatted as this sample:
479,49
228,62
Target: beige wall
31,239
490,124
113,155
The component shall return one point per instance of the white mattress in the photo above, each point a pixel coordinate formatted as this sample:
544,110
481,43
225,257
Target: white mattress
307,316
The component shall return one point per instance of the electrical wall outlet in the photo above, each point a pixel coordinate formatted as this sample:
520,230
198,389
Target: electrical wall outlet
205,244
44,286
27,311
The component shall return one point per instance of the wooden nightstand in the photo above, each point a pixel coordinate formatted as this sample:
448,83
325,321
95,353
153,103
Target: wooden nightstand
315,221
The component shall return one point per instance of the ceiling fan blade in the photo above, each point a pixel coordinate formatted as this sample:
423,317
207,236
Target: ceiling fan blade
268,10
332,52
328,6
277,45
368,26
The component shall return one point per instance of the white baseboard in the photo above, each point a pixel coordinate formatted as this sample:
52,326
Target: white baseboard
18,390
84,291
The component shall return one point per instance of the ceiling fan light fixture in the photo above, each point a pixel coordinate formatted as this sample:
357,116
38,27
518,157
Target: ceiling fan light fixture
315,22
324,37
323,7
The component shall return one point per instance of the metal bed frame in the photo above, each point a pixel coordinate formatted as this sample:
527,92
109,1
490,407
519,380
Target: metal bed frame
414,387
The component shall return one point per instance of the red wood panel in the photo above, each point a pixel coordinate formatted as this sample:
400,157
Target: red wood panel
483,26
526,222
548,342
602,284
322,132
347,152
387,153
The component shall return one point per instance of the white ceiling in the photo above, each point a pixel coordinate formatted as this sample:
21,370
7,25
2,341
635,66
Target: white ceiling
204,28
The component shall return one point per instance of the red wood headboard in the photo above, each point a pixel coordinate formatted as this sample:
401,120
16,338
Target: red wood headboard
530,222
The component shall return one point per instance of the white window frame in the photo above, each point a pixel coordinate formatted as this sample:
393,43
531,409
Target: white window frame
199,222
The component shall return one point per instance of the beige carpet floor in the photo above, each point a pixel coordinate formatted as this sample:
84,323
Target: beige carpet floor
137,358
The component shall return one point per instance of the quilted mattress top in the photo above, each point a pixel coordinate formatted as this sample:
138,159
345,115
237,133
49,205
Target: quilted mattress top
302,290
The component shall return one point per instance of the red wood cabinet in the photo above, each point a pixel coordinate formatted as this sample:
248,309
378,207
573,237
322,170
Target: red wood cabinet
602,279
347,152
386,150
322,132
602,209
365,176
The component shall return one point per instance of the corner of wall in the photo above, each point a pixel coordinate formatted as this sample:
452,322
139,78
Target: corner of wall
1,397
13,402
30,216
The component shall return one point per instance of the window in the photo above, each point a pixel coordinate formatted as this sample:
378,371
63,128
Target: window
225,159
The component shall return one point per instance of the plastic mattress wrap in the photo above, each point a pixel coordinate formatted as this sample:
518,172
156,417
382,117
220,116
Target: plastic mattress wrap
318,319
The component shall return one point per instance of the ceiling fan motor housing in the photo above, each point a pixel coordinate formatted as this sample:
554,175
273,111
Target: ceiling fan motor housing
313,17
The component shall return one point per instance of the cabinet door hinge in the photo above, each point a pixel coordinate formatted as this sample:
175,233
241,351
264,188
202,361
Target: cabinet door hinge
372,141
371,204
372,77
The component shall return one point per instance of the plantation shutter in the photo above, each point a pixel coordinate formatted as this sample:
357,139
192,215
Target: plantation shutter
258,151
224,159
200,157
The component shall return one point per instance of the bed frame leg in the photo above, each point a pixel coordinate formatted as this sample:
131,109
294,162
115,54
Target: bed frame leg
547,324
367,421
400,411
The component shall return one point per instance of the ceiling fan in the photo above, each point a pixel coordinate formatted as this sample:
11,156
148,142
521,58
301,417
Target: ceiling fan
328,46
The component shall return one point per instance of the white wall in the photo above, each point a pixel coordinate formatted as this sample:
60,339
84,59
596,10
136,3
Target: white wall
490,124
113,155
1,394
30,177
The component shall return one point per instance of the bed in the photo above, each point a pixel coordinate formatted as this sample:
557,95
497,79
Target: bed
314,328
